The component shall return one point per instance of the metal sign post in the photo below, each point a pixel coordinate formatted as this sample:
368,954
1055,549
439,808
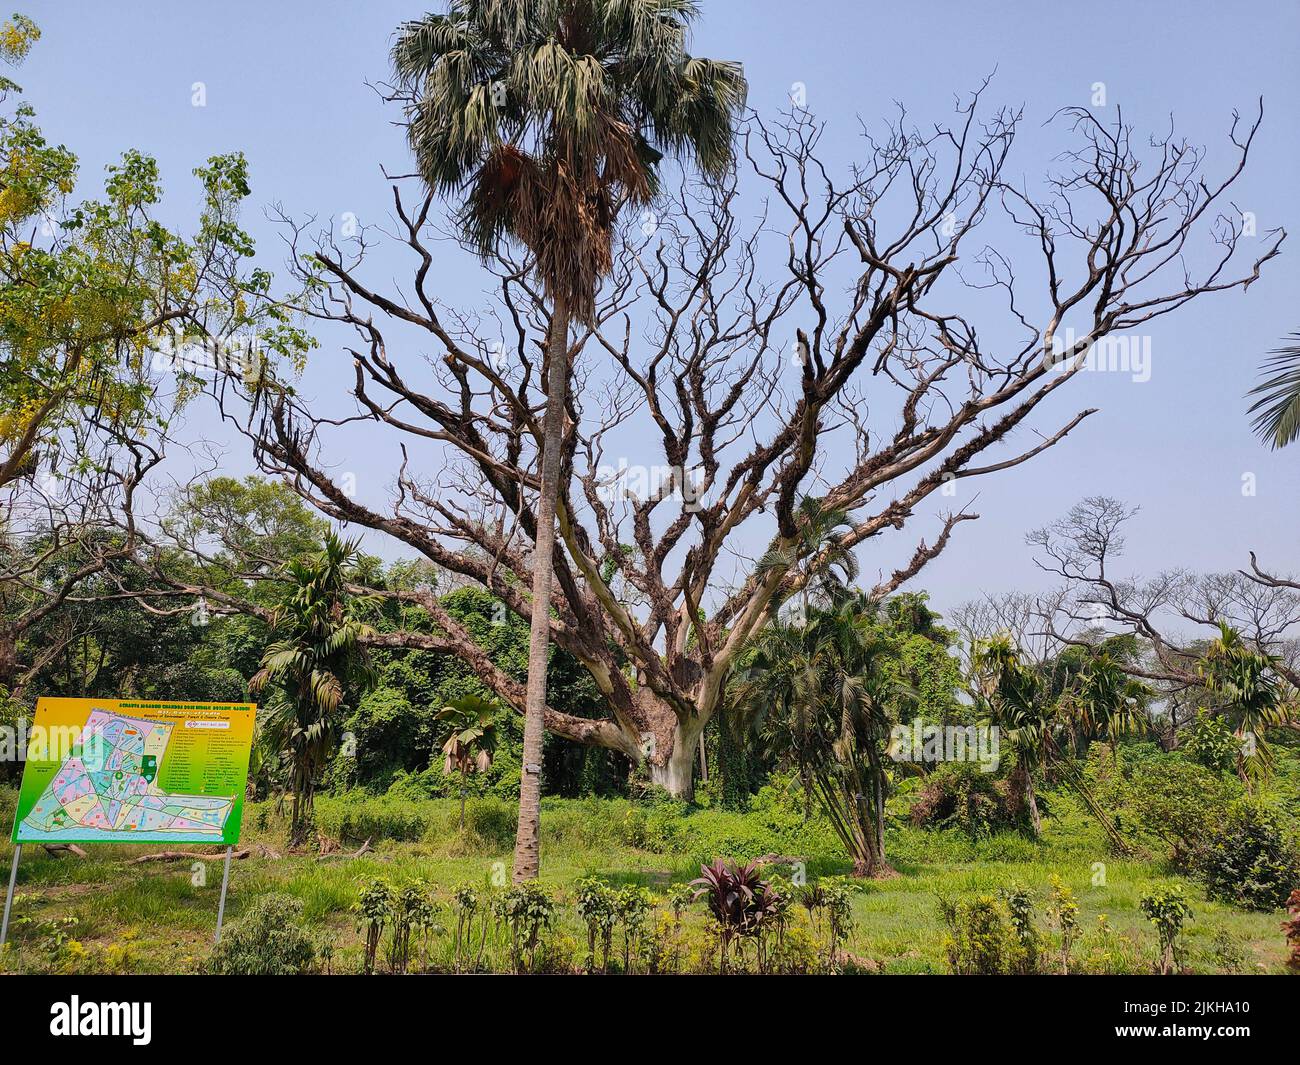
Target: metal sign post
221,906
9,895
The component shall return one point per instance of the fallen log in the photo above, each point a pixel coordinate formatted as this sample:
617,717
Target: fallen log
363,849
180,856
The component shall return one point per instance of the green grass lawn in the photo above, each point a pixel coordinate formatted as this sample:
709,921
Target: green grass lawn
102,914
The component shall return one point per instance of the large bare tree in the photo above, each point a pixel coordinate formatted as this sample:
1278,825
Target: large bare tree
866,340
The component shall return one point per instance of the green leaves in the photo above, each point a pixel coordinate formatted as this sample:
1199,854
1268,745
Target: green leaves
1277,410
545,116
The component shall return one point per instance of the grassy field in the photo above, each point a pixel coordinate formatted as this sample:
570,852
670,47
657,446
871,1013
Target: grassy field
102,914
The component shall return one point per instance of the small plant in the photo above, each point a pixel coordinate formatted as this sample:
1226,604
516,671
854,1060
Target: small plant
740,901
471,913
1167,909
829,903
633,905
1020,906
412,912
597,905
269,940
526,911
980,939
374,908
1063,912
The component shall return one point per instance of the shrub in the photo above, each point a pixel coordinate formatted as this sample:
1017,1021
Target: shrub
830,905
527,912
597,905
743,904
374,908
633,905
1020,907
269,940
980,941
471,912
1212,743
1180,802
1167,909
961,796
1250,861
1064,914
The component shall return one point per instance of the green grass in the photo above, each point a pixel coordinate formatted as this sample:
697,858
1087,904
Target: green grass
103,914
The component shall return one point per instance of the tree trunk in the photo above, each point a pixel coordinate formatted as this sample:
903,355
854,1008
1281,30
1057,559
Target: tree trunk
1032,799
675,773
527,851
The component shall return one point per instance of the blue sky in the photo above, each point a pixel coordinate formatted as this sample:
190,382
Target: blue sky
285,82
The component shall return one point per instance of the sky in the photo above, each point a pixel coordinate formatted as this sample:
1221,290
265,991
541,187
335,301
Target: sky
286,83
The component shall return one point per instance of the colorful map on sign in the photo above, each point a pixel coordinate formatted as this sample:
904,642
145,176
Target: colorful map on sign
110,786
134,772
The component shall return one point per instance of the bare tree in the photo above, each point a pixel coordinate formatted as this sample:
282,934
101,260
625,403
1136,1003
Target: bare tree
828,351
1173,613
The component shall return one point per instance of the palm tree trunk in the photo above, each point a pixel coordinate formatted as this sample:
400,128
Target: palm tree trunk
1034,817
527,850
464,786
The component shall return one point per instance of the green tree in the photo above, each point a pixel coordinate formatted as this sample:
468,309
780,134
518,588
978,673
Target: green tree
1104,700
548,116
314,661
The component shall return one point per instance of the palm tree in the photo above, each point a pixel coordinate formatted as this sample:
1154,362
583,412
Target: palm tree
546,117
1015,698
1247,681
821,697
468,733
1104,700
824,567
1277,411
315,659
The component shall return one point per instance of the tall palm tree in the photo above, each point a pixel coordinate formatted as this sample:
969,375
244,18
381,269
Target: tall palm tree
467,730
310,666
1277,411
545,117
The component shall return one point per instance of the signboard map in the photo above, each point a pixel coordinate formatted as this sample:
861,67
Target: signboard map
117,771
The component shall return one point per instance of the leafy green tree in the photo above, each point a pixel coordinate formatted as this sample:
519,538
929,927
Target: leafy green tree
1104,700
315,659
548,116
